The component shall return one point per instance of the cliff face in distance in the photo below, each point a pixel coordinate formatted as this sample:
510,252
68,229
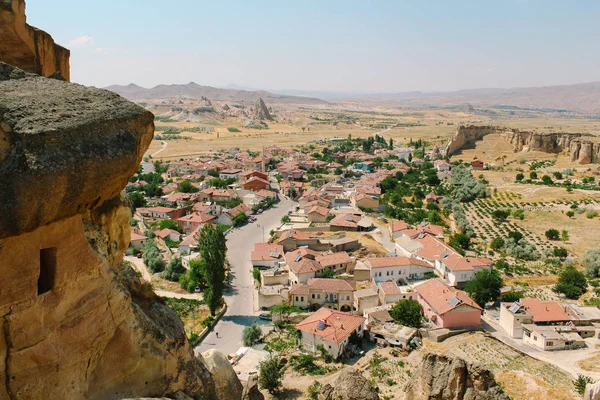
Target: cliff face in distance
27,47
581,146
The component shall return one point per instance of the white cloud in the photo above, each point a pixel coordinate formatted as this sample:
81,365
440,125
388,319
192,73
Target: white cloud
81,41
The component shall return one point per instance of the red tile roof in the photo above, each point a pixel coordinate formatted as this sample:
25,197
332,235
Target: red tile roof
397,225
389,288
336,325
545,311
443,298
330,285
293,234
328,260
266,252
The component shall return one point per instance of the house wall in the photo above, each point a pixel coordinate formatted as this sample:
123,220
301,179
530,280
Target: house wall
316,217
389,299
300,278
362,275
537,340
269,300
361,304
300,300
265,263
279,279
462,316
310,342
511,323
137,244
396,273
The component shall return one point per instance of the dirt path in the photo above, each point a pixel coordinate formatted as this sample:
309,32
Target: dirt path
164,147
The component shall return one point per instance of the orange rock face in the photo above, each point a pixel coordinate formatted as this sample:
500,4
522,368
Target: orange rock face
29,48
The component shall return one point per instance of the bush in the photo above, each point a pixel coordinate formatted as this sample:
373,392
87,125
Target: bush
519,214
407,313
512,296
497,243
208,321
170,224
250,335
285,219
314,390
500,215
305,364
152,257
270,374
560,252
591,261
552,234
591,214
581,382
256,274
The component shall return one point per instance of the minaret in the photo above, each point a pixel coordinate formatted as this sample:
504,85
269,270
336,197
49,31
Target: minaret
262,164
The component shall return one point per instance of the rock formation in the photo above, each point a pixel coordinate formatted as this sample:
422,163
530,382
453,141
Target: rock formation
443,378
580,146
592,391
29,48
349,385
251,391
227,384
260,111
77,322
464,135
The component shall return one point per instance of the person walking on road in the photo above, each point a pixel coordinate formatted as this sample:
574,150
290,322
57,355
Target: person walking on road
217,333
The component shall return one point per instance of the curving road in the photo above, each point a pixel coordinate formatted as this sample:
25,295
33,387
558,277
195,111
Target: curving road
240,311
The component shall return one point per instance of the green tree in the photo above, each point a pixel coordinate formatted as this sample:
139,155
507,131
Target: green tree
192,277
240,219
519,177
515,235
170,224
256,274
137,200
174,270
460,242
552,234
519,214
327,273
285,219
570,214
533,175
497,243
564,235
500,215
187,187
407,312
560,252
485,286
270,374
571,283
511,296
547,180
250,335
213,251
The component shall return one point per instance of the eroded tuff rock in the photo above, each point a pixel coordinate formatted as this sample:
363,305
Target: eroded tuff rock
349,385
251,391
444,378
592,391
64,148
580,146
27,47
261,112
227,384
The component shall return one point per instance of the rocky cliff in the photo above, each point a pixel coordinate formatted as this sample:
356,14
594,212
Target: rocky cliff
76,321
582,147
445,378
29,48
464,135
349,385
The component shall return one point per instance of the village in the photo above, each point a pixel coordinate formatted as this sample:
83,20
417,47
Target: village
362,250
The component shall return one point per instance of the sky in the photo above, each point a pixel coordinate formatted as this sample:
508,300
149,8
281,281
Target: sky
327,45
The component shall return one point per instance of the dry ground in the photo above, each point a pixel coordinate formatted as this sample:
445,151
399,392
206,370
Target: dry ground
582,230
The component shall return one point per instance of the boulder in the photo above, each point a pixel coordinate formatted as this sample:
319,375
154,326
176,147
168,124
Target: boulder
349,385
251,391
227,384
446,378
592,391
64,148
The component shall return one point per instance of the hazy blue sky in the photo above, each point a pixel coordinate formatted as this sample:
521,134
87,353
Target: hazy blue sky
363,46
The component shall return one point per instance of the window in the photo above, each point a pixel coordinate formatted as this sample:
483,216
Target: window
535,338
528,334
296,298
319,296
550,343
302,298
392,273
313,295
387,273
47,270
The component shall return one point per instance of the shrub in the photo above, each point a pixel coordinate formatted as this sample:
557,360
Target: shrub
560,252
208,321
581,382
305,364
270,374
497,243
591,261
512,296
314,390
552,234
591,214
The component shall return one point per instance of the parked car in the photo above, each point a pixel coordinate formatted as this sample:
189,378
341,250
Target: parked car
139,254
197,289
252,219
260,210
265,316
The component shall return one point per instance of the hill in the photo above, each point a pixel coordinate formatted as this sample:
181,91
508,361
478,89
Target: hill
194,91
583,97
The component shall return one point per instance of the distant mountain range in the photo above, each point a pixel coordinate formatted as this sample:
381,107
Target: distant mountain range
583,97
194,91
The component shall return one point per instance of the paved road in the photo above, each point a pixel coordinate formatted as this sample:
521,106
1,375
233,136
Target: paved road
240,313
384,236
